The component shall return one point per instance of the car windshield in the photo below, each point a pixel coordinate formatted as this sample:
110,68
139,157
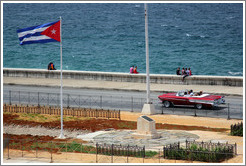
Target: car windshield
181,93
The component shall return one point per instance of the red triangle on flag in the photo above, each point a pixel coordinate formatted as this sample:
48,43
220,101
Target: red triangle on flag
53,31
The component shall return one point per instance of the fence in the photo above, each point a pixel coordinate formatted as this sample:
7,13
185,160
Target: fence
58,151
102,152
113,102
227,111
85,101
82,112
200,151
120,150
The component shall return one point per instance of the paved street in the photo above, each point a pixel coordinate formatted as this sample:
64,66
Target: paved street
110,85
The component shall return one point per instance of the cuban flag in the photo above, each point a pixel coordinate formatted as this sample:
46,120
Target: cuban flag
45,33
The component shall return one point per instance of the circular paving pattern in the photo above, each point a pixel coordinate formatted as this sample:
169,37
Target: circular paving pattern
125,137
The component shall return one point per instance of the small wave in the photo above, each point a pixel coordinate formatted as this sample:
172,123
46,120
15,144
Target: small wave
195,36
164,25
137,5
187,34
230,17
235,73
172,26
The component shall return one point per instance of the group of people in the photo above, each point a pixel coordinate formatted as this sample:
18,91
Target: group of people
133,70
184,72
190,93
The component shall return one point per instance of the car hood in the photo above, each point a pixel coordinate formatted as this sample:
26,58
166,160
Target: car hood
167,95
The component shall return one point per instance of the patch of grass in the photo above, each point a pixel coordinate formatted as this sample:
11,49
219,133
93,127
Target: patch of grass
150,153
127,125
47,118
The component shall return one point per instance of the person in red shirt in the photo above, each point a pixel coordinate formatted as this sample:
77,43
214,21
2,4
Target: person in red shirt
135,70
190,72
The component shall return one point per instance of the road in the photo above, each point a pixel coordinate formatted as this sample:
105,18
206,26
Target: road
111,99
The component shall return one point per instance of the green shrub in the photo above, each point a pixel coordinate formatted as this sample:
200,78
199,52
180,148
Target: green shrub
199,154
237,129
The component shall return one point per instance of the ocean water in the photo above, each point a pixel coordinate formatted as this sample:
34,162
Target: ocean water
110,37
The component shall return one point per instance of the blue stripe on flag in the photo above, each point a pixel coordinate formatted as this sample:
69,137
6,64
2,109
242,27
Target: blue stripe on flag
36,27
39,41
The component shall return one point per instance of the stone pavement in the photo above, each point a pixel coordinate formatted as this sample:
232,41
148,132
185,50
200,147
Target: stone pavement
125,137
92,84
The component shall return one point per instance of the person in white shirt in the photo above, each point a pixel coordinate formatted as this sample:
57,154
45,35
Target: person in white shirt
186,95
187,72
191,93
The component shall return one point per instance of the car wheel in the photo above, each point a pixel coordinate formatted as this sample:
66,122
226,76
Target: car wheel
199,106
166,104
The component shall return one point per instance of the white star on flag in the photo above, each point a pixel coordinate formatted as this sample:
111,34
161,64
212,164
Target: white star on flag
53,31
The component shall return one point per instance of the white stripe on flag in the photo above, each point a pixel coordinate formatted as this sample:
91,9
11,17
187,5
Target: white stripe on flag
43,37
21,34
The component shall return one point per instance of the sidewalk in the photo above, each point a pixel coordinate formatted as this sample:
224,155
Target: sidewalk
91,84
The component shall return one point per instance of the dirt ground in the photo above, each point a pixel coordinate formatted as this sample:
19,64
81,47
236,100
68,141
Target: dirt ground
206,128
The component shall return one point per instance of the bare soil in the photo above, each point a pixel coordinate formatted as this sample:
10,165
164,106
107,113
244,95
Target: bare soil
91,125
206,128
94,124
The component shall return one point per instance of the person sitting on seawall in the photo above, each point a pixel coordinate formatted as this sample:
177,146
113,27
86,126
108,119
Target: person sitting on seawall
135,70
190,72
178,71
131,69
51,66
184,73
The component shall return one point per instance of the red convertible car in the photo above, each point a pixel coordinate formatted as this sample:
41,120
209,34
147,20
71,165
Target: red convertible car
198,101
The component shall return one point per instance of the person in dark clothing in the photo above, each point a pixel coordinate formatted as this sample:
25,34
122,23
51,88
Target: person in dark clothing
178,71
51,66
185,73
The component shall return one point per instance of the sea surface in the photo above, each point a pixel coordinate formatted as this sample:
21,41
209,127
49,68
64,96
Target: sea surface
110,37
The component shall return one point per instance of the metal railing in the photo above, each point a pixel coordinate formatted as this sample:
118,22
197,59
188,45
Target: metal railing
57,151
85,101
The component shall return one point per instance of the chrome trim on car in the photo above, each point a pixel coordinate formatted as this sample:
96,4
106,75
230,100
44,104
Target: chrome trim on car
202,101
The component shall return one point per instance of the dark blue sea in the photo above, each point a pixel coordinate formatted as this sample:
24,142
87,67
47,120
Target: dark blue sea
110,37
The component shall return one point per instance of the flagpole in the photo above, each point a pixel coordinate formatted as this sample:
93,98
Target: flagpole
61,135
147,55
148,107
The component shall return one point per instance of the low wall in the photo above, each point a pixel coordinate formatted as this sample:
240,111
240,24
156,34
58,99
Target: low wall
124,77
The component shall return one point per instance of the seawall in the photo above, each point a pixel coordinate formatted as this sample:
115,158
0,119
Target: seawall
124,77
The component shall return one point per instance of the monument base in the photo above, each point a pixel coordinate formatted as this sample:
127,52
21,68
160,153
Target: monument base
146,136
61,136
148,109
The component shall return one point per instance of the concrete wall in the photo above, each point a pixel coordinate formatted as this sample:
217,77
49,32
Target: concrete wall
124,77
